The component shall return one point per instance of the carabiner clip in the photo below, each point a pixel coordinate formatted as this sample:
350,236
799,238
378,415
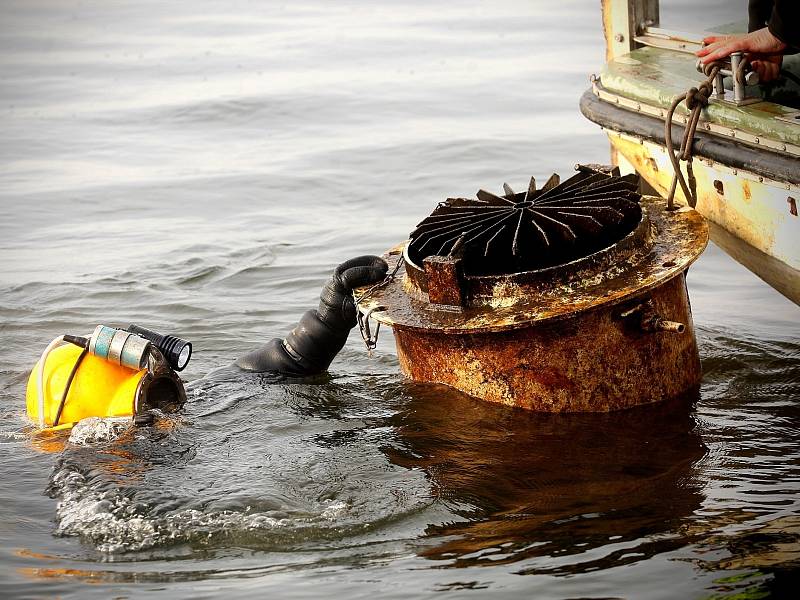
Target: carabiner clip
370,341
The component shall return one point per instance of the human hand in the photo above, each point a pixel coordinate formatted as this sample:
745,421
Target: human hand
761,43
768,68
336,300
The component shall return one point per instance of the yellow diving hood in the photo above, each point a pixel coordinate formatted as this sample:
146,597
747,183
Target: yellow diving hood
114,373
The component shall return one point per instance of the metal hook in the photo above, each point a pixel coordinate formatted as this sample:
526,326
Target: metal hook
370,341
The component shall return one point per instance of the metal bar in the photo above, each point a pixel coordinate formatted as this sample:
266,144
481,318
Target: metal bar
531,189
565,230
738,86
667,44
673,34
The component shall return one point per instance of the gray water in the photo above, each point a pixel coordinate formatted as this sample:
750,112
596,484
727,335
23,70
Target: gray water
200,167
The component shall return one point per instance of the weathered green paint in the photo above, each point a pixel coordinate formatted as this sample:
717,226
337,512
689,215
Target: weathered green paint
654,76
745,206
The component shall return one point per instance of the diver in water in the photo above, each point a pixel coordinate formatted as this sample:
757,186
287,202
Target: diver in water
127,372
319,336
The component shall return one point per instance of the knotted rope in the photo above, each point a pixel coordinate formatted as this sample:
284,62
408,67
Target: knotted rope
696,100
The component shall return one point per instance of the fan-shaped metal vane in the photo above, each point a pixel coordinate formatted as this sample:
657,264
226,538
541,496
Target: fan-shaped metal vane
535,229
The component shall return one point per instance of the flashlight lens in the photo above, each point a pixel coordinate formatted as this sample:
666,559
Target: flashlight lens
176,351
183,357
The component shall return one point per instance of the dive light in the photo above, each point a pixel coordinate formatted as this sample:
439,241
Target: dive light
176,350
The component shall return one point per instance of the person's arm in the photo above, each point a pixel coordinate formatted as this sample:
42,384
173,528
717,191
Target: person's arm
761,42
319,336
766,44
758,43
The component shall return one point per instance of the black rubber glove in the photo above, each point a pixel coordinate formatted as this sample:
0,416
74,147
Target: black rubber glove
320,335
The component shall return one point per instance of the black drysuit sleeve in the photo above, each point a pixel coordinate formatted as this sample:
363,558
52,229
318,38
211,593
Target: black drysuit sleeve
320,335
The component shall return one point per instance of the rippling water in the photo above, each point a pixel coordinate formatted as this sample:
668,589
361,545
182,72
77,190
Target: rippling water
201,167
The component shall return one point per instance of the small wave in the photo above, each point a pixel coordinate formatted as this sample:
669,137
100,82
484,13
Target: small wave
114,523
13,436
735,365
214,268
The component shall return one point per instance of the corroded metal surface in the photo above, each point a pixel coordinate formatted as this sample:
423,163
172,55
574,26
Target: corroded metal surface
494,290
533,230
674,241
606,332
757,212
443,277
592,361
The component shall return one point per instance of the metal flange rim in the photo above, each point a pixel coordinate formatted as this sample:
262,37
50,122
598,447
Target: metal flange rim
679,238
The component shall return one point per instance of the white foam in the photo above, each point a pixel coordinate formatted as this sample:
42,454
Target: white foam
114,523
94,430
334,510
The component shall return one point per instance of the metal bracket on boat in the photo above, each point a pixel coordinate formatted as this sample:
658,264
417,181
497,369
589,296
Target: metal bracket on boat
790,117
737,67
667,39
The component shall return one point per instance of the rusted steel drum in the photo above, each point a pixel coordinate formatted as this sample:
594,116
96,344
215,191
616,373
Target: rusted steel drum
605,331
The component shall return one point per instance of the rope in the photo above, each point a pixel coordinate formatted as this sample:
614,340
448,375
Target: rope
744,62
696,100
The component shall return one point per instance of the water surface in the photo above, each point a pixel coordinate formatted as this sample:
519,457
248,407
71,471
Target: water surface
200,168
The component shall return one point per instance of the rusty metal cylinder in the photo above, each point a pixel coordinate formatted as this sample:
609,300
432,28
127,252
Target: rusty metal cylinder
593,361
568,299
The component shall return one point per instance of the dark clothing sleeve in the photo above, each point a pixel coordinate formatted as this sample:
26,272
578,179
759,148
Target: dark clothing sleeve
781,16
322,333
784,23
758,12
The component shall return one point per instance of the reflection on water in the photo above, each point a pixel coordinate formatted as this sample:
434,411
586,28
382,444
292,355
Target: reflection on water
262,476
559,486
521,485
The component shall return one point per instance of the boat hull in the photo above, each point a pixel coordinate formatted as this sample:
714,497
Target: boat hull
756,222
751,197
